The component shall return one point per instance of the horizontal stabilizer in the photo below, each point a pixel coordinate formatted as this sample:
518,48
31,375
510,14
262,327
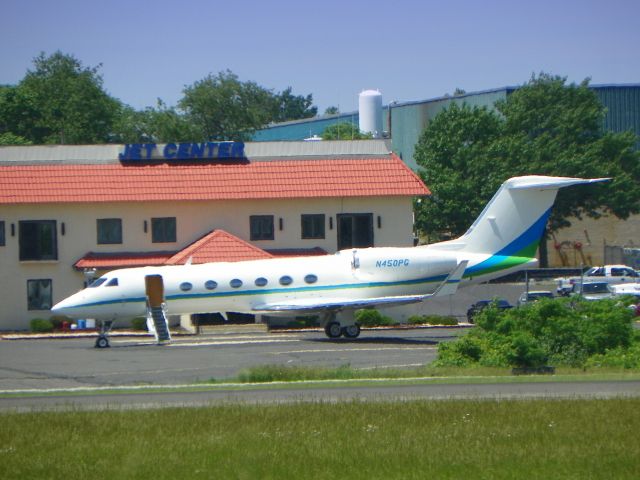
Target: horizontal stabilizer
452,282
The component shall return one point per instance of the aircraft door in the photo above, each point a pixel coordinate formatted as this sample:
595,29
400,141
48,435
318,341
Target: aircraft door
154,288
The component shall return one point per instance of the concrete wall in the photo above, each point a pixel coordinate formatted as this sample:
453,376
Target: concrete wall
592,236
194,219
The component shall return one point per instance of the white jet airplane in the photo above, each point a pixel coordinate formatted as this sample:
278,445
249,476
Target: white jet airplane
502,240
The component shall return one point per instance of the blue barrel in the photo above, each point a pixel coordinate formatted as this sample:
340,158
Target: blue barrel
82,324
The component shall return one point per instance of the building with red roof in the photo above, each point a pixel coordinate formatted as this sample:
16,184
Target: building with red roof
66,211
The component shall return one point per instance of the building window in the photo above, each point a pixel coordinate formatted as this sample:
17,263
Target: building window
2,233
261,227
313,226
355,230
163,230
38,240
109,231
39,294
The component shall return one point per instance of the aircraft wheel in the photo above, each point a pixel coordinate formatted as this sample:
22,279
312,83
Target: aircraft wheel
351,331
333,330
102,342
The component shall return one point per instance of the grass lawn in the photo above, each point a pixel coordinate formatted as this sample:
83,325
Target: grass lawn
368,440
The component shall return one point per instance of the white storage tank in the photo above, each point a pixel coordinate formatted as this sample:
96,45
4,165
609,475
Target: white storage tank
370,112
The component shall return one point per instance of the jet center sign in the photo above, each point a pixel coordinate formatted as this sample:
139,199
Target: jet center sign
134,152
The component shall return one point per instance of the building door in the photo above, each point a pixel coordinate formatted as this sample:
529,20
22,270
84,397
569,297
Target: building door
355,230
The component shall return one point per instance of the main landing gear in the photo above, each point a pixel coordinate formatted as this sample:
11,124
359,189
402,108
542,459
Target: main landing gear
103,339
345,326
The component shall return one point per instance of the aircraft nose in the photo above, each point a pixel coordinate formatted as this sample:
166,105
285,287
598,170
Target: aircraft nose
67,307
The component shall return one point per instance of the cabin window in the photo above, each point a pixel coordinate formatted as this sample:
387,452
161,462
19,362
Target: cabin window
261,227
185,286
311,278
163,230
112,283
312,226
109,231
261,282
235,283
210,285
38,240
97,282
39,294
286,280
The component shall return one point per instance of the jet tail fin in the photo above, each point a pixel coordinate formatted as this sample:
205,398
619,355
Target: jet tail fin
514,219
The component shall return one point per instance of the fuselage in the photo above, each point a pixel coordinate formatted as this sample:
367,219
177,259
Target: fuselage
245,286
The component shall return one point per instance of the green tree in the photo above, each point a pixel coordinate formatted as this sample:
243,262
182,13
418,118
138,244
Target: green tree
545,127
293,107
159,124
60,101
457,160
221,107
332,110
344,131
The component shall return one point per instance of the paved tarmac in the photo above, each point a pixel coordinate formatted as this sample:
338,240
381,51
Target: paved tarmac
29,366
74,362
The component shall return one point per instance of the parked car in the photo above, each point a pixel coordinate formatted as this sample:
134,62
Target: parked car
612,274
534,295
482,304
626,289
592,290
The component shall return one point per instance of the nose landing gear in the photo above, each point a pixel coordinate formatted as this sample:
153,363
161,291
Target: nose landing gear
103,339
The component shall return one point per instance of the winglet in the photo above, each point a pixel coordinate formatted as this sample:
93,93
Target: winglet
450,284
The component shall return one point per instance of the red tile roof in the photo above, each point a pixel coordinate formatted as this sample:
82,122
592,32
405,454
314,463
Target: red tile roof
286,179
109,261
218,246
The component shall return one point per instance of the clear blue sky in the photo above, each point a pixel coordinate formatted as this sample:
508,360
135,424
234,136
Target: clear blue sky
409,50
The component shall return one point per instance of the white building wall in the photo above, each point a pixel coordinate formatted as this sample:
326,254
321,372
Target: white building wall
194,219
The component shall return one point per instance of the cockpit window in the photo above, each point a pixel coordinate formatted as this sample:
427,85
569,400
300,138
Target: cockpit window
97,282
112,283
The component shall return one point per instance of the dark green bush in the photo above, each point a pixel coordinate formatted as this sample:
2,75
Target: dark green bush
303,322
139,323
559,331
431,320
41,325
373,318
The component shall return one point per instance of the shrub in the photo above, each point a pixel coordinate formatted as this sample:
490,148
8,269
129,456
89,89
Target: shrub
41,325
139,323
618,358
526,351
561,331
431,320
373,318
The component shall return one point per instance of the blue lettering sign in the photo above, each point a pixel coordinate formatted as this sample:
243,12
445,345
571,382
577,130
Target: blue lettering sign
182,151
169,151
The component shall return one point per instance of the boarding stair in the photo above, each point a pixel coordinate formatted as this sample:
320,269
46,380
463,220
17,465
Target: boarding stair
158,324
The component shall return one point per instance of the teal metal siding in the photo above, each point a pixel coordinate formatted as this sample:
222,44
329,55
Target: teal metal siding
301,129
409,119
623,108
